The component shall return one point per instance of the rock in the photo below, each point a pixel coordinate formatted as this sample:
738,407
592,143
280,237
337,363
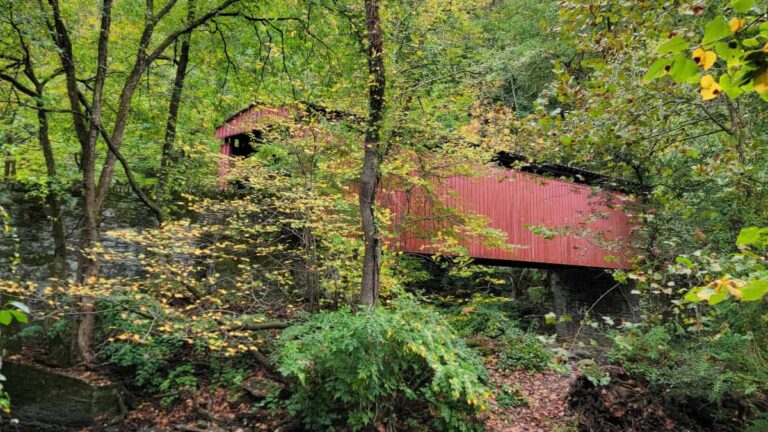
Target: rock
44,396
238,396
260,388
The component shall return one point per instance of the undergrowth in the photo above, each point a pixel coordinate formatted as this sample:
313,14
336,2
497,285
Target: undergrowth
402,366
493,322
719,371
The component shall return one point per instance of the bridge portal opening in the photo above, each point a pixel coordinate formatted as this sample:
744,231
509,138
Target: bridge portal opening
244,144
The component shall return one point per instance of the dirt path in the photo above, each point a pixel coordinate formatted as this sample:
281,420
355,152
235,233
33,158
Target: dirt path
547,402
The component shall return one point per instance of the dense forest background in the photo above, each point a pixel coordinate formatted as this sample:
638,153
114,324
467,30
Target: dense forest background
284,278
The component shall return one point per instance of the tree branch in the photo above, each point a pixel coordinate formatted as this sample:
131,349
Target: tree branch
142,61
128,173
717,121
18,85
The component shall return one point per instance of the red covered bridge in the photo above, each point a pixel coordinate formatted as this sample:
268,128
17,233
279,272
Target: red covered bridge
549,221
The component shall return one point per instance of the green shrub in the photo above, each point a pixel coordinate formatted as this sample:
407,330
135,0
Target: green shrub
151,365
162,362
485,316
711,370
523,351
401,365
759,425
16,312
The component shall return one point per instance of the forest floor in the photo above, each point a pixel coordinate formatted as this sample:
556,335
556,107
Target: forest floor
542,407
544,404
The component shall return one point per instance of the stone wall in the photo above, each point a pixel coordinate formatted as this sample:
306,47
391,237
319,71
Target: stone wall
35,244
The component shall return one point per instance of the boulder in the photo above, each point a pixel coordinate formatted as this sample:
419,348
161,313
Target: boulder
45,396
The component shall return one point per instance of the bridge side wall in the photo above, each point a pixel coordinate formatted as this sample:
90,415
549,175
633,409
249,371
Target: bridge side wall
589,228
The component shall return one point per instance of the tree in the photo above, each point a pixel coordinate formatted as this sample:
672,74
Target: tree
602,115
89,127
22,61
373,153
168,155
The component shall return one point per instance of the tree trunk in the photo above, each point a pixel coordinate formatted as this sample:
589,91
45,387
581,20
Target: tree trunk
144,57
88,264
369,180
168,158
9,139
52,204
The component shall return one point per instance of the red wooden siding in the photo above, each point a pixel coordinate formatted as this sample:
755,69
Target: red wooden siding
514,201
224,164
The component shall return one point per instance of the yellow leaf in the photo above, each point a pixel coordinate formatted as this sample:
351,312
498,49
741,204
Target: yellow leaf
703,58
760,82
737,24
710,89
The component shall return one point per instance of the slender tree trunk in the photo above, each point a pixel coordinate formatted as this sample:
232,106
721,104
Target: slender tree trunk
168,157
369,180
89,263
9,139
52,204
144,57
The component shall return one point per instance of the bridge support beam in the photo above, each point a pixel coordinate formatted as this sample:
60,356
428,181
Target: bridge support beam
589,293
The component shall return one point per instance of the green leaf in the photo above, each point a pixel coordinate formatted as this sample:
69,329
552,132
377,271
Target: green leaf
675,44
731,55
5,317
748,236
657,69
731,89
742,6
684,70
743,78
20,316
705,293
718,297
20,306
550,318
693,296
715,30
752,43
754,290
